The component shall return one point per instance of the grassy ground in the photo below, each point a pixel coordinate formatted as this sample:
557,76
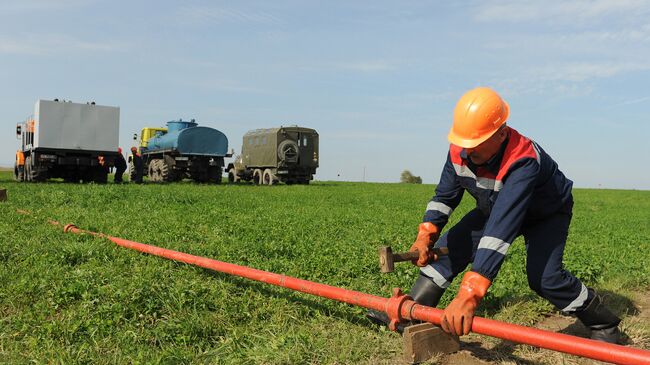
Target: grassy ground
78,299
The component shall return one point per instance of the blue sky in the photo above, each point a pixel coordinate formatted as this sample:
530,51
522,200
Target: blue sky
377,79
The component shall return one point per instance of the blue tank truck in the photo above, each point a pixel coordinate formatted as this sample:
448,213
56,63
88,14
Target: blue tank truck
182,150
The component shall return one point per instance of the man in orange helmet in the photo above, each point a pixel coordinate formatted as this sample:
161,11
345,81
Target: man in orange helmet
519,190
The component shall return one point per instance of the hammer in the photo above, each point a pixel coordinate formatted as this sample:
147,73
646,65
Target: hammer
387,258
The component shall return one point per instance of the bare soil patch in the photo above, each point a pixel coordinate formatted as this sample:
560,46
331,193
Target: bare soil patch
482,350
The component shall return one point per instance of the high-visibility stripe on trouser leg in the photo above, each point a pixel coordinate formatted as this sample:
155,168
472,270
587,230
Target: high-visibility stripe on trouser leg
431,272
578,302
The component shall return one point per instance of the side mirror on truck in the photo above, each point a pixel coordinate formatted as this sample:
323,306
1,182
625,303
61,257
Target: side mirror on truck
19,131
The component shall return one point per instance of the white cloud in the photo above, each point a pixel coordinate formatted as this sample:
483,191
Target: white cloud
368,66
633,101
570,79
221,15
39,44
365,66
514,11
583,71
14,7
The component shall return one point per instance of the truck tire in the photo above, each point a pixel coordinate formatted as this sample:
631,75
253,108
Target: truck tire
214,174
268,178
155,170
288,151
166,172
257,177
131,172
232,176
151,171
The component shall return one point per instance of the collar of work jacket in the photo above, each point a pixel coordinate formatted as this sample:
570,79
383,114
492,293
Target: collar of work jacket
492,164
491,175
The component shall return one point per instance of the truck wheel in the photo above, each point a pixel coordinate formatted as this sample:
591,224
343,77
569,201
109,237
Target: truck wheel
288,151
257,177
131,171
268,178
155,170
151,171
166,172
232,176
214,174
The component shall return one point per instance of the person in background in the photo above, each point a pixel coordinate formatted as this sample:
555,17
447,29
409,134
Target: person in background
120,166
137,165
519,190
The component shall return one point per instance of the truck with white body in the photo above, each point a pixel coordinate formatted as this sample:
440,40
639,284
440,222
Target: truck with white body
72,141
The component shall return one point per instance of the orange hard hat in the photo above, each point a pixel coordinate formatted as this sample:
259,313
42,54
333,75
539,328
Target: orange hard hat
478,115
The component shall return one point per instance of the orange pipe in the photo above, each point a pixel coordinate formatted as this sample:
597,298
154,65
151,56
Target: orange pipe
401,307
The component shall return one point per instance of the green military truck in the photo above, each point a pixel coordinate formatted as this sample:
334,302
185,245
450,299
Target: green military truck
269,156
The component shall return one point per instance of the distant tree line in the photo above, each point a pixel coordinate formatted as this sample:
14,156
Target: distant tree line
408,178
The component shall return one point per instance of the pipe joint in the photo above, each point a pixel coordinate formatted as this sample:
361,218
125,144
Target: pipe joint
69,228
394,307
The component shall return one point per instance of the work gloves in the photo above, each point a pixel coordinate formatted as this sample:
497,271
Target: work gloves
428,234
457,317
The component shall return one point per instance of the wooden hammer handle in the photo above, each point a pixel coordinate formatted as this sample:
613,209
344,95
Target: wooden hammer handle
414,255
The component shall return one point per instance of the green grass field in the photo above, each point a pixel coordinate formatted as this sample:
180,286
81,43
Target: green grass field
77,299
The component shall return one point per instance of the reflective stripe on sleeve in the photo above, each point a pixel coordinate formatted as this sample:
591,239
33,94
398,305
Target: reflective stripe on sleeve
464,171
494,244
440,207
537,153
490,184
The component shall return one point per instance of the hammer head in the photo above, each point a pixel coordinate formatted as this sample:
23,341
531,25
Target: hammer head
386,262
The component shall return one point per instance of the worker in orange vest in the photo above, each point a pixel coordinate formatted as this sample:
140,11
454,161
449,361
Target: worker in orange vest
519,190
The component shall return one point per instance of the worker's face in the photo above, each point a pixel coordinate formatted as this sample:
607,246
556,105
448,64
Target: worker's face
483,152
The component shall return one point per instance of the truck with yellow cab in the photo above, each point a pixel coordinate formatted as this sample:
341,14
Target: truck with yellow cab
182,150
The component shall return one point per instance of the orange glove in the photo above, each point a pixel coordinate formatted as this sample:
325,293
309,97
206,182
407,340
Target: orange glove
457,317
428,234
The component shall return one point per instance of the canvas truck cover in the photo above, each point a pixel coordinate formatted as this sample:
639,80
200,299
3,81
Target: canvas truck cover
75,126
